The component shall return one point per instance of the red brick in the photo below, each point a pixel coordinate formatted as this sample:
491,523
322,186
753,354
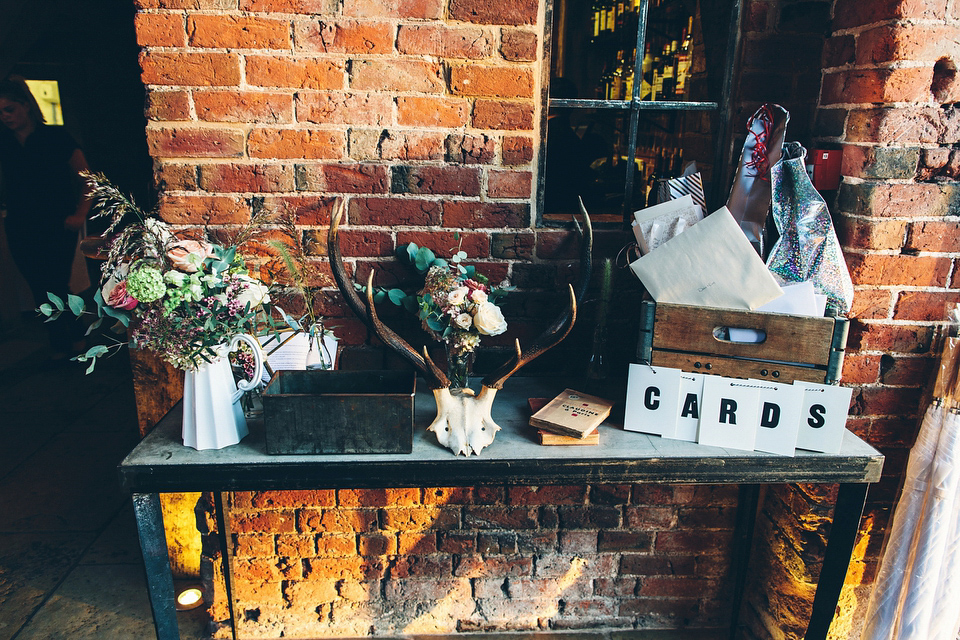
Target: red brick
246,177
650,517
194,142
853,13
295,72
882,269
429,590
160,29
197,69
296,143
172,176
481,517
296,546
420,518
396,75
905,84
309,211
877,336
483,12
340,107
167,105
839,51
443,495
257,545
517,45
335,545
885,401
487,81
342,178
671,587
243,106
336,520
418,543
347,36
485,215
312,591
376,544
934,235
262,522
308,7
706,542
509,184
471,43
911,125
465,148
394,211
450,180
929,306
906,41
900,431
621,541
547,495
867,233
205,210
238,32
477,566
264,591
429,111
871,304
347,568
377,144
861,368
406,9
517,150
503,115
378,497
907,371
445,244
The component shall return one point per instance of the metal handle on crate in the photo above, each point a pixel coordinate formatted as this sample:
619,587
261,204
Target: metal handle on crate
747,337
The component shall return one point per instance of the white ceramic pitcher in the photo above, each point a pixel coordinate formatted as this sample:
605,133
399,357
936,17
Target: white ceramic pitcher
212,415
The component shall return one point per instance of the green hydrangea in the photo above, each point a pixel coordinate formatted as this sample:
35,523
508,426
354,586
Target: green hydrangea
146,284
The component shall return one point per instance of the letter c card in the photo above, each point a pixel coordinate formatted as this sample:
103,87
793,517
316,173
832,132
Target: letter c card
652,396
823,416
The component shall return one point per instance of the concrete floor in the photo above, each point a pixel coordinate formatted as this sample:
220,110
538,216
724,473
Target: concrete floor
70,563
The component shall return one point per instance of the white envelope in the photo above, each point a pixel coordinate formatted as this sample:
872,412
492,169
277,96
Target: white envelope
711,264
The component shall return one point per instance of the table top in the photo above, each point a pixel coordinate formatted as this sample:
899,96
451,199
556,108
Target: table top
160,463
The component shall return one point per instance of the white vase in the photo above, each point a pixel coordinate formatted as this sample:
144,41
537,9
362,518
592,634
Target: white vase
212,415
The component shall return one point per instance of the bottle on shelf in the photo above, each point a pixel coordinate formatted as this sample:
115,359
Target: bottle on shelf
646,86
628,72
684,60
668,84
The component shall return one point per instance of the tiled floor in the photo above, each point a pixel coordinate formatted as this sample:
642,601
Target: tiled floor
69,560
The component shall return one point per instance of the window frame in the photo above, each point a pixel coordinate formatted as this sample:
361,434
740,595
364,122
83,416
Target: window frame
636,107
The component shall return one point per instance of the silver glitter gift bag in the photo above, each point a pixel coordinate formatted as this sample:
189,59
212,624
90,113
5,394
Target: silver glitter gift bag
808,248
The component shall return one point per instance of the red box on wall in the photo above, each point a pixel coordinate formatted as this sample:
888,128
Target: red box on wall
826,169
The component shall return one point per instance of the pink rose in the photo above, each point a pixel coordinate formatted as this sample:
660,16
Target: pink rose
188,255
117,296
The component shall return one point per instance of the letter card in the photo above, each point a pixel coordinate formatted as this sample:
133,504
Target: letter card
688,411
729,413
652,394
779,417
823,417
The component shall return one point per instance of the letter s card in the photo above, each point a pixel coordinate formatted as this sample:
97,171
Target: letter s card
823,416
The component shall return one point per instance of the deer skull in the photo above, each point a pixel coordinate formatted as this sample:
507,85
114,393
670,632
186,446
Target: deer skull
463,423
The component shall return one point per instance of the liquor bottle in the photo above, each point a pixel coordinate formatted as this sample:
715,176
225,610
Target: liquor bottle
617,79
646,86
658,72
684,60
668,84
628,76
597,13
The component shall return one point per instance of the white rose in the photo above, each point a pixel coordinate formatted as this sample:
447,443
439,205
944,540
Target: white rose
457,296
254,292
463,321
488,319
176,278
478,297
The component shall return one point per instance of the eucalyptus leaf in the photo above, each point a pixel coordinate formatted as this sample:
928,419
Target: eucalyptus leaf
439,262
434,324
46,309
397,296
96,351
93,363
56,300
410,304
94,326
77,305
412,250
379,297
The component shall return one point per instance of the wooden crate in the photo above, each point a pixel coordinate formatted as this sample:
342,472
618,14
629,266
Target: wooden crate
316,411
691,338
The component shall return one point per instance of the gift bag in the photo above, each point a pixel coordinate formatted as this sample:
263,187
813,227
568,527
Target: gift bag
808,248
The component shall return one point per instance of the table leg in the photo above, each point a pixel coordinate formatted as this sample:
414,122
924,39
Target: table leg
747,503
843,537
153,544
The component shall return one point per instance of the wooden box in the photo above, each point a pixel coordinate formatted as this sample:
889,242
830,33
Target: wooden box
694,339
326,412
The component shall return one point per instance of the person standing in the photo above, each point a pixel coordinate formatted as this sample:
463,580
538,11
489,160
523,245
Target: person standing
45,200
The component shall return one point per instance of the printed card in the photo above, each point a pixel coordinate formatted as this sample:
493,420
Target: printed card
729,413
688,411
652,397
779,417
823,417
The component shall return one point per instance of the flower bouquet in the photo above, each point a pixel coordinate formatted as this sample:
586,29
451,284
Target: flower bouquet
456,306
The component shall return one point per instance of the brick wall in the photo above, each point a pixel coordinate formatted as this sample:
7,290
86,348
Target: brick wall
423,117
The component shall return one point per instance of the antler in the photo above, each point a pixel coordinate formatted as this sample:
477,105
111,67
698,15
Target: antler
562,325
435,377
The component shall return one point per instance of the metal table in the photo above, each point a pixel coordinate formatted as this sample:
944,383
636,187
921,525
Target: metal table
160,464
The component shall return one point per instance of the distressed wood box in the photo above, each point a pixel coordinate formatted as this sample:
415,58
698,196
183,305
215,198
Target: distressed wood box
694,339
329,412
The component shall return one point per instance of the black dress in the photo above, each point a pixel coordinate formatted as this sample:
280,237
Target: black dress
40,193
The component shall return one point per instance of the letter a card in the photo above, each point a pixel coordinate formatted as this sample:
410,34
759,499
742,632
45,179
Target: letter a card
688,418
728,416
652,394
823,416
779,417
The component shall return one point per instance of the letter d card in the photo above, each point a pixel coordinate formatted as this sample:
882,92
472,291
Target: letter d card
652,396
823,416
779,418
728,416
